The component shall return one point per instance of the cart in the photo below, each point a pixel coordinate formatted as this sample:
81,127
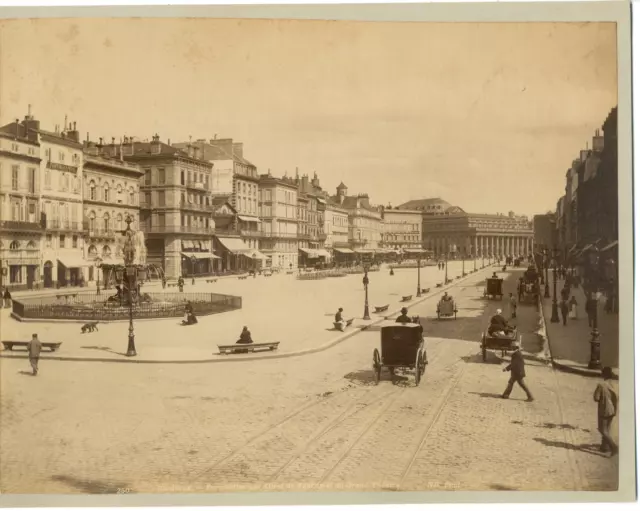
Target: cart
401,347
447,309
493,288
497,343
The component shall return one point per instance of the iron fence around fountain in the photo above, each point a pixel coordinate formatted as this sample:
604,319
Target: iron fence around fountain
95,307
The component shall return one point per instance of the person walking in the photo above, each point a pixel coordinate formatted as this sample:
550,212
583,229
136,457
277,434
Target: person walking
590,307
6,296
34,348
607,399
573,308
564,310
517,374
513,303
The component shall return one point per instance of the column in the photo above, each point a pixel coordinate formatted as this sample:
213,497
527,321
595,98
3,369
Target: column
475,247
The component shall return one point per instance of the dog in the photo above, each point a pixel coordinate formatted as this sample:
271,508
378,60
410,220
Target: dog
89,327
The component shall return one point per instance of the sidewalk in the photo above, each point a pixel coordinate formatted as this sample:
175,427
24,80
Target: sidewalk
569,345
280,309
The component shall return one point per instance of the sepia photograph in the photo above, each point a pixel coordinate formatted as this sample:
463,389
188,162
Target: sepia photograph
313,255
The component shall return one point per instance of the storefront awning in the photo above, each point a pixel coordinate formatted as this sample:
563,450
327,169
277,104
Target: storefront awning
343,250
323,253
72,261
610,246
199,255
310,252
234,245
249,219
116,261
187,244
363,251
256,254
322,201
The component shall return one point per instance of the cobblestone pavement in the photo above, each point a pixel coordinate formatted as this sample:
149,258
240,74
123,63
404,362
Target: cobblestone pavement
298,314
571,342
310,423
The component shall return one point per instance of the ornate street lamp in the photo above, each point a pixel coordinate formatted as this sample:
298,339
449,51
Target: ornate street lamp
365,281
594,294
129,252
418,293
193,270
98,263
546,274
554,305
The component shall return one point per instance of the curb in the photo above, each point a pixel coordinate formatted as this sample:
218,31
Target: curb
562,365
323,347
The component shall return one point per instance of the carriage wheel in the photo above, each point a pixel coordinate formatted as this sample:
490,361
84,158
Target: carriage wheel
424,361
377,365
419,367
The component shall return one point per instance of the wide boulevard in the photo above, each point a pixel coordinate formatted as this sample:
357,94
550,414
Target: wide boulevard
303,423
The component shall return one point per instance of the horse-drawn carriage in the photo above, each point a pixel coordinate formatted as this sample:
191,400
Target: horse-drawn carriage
497,341
529,286
401,347
447,308
493,288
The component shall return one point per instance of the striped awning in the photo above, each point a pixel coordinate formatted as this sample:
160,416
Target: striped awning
73,261
363,250
234,245
343,250
256,254
311,253
249,219
323,253
199,255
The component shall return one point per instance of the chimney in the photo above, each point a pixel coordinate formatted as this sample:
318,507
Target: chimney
17,128
74,134
65,123
238,149
156,147
598,142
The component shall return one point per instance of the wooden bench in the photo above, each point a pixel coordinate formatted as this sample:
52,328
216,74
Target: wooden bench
406,298
243,277
289,273
341,326
381,309
211,281
247,348
8,345
426,290
439,285
268,274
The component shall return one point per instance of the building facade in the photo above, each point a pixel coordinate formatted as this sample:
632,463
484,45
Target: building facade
401,229
544,232
365,221
449,231
176,210
20,229
336,226
234,177
280,223
111,189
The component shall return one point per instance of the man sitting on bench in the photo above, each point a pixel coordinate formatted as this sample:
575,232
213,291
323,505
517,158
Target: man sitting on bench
245,338
499,326
338,318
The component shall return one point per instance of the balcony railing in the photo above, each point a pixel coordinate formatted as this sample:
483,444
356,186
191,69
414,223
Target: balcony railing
16,225
101,231
66,225
251,234
171,229
193,185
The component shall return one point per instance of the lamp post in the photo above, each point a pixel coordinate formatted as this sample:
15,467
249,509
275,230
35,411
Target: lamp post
594,362
193,270
475,260
365,281
97,263
546,274
554,305
419,292
464,256
483,258
129,257
446,268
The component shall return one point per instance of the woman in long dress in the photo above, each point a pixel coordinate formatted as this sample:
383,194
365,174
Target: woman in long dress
573,308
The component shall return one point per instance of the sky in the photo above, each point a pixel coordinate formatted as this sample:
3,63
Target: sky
486,116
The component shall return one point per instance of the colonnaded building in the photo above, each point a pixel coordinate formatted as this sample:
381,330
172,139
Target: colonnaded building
449,230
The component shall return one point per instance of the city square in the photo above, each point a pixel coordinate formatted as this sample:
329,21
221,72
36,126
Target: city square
338,288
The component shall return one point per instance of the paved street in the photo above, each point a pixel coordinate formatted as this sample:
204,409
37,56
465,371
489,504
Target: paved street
306,423
298,314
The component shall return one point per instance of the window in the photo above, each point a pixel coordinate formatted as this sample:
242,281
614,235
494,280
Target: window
74,242
119,223
47,179
62,241
32,209
15,169
32,180
65,182
60,156
48,241
147,198
147,176
106,192
15,245
93,251
161,176
161,199
105,222
92,221
106,252
76,184
92,190
182,177
161,220
132,197
15,274
32,245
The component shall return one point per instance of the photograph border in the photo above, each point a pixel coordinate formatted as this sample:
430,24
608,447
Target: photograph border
615,11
